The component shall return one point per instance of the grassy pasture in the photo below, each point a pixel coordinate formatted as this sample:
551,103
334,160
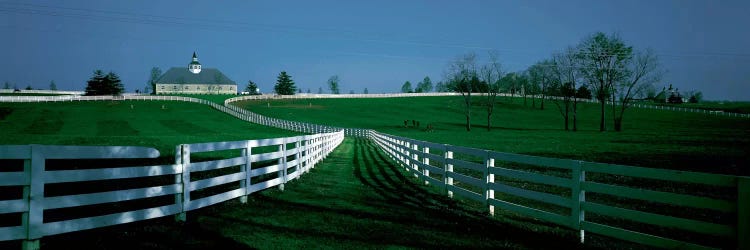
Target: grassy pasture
161,125
651,138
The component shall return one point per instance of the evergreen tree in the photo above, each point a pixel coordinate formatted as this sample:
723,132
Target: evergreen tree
101,84
252,88
284,84
424,86
406,88
366,92
52,85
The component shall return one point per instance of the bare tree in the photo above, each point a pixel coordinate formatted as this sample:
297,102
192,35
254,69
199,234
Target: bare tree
603,63
460,76
566,68
490,75
333,84
540,74
153,77
643,71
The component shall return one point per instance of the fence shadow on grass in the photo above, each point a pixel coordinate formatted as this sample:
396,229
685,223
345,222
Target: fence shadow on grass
365,201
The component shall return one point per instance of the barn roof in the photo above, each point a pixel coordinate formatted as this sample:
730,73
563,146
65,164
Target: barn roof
181,75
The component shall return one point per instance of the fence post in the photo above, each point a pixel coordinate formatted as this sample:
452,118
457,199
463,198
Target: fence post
247,153
415,157
282,164
32,218
448,169
579,197
178,180
298,156
489,192
426,161
743,213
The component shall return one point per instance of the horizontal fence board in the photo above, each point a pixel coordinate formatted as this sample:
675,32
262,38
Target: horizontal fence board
294,175
432,145
532,177
109,173
266,156
637,237
112,196
213,199
432,157
95,152
13,206
466,150
265,142
467,179
107,220
13,179
465,164
660,220
265,170
433,169
215,181
466,193
433,181
532,212
662,174
17,152
534,195
265,184
216,146
661,197
12,233
216,164
534,160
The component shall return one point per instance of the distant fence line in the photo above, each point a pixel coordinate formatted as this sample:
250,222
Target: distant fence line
36,91
289,157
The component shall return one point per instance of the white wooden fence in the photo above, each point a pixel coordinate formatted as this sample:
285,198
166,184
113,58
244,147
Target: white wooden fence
472,175
291,157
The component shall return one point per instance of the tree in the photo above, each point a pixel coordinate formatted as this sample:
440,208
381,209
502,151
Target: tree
583,92
333,84
489,76
320,90
540,74
101,84
642,71
284,84
155,74
441,87
424,86
461,75
6,85
695,96
566,67
29,87
299,91
351,92
52,85
252,88
366,91
406,88
603,63
308,90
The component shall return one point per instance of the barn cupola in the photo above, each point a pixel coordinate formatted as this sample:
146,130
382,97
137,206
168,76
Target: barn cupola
194,66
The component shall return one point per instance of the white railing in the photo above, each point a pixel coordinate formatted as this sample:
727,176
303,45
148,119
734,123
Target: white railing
289,158
472,173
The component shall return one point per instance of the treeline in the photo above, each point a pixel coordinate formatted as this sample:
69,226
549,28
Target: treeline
601,67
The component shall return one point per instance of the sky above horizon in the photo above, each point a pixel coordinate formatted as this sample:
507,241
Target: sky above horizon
702,45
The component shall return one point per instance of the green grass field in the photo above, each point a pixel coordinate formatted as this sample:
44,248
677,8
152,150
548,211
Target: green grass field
651,138
161,125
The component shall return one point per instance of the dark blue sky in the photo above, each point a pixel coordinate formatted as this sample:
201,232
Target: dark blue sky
370,44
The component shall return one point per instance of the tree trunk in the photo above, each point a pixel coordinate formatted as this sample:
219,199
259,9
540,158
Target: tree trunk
566,122
524,100
602,124
489,121
575,122
618,124
542,104
533,101
468,122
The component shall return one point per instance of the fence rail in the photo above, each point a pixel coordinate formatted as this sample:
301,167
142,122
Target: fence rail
293,155
473,175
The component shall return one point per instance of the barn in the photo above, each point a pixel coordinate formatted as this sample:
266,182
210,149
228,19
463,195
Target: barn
195,80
